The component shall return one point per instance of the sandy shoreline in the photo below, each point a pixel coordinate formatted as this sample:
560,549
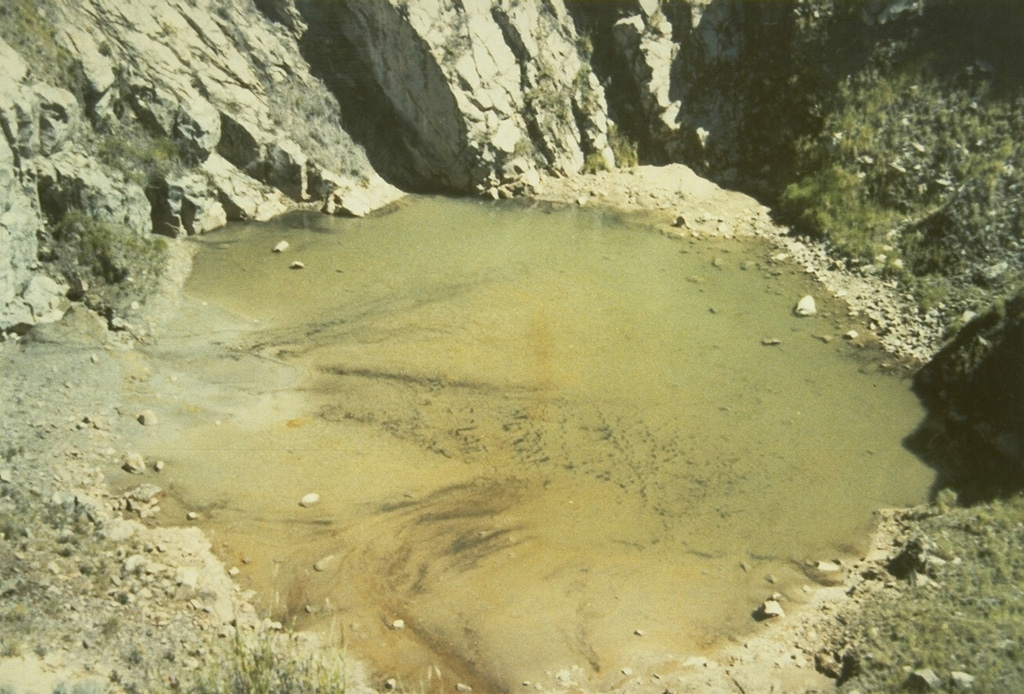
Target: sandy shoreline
68,404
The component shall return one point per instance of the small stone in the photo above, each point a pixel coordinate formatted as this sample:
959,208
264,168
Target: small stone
297,265
639,632
147,418
460,687
806,307
398,624
94,359
851,335
133,463
771,342
234,571
310,499
158,466
961,680
325,563
827,566
5,476
145,493
390,684
581,201
770,609
924,679
191,515
281,247
627,671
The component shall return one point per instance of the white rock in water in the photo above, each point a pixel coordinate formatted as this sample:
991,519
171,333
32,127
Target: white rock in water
309,500
806,307
281,247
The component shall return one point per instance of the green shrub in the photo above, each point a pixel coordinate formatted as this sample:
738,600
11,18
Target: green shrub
142,156
95,250
594,163
268,666
624,149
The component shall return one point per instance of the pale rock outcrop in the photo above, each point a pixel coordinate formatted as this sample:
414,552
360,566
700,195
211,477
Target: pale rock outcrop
242,197
24,299
475,85
186,205
250,127
644,41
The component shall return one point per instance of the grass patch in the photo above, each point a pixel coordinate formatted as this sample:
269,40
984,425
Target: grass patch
142,156
104,252
624,148
969,617
269,665
29,27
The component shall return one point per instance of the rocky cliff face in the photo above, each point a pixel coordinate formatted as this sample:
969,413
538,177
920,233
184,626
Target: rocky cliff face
175,117
166,118
481,93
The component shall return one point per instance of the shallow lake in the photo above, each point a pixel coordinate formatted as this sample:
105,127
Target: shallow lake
544,439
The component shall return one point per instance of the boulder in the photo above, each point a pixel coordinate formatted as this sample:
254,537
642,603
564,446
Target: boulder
242,197
186,205
286,169
58,117
806,307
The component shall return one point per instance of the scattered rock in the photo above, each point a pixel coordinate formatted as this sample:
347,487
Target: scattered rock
310,499
924,680
281,247
460,687
828,665
133,463
5,476
771,342
851,335
191,515
147,418
145,493
961,680
806,307
398,624
159,466
297,265
325,563
769,609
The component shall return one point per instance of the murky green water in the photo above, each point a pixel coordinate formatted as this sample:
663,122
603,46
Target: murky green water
534,434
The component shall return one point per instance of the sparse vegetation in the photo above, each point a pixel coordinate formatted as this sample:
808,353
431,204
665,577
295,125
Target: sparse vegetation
140,155
624,149
269,665
312,118
968,615
28,26
104,252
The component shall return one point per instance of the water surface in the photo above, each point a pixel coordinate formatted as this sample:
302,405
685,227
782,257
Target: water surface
543,438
